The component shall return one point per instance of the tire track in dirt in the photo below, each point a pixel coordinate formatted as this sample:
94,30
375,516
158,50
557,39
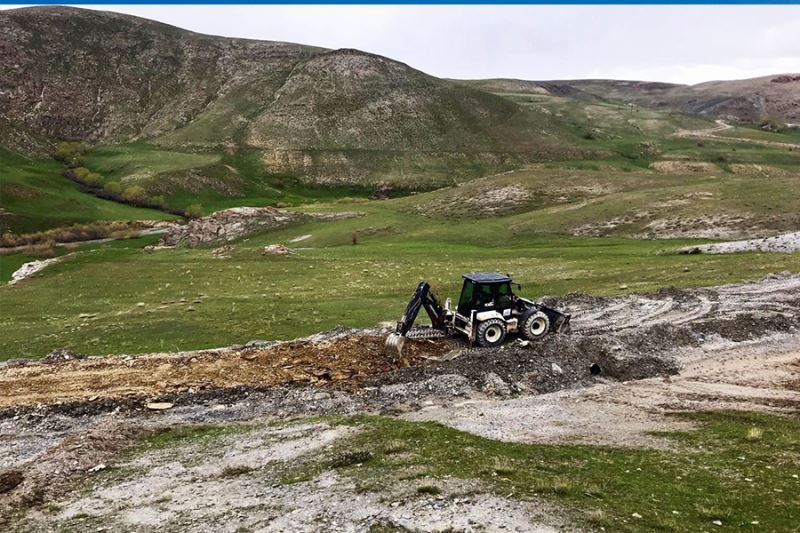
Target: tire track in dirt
774,295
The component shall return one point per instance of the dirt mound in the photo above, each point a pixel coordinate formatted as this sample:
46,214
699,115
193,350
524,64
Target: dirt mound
339,361
556,362
56,469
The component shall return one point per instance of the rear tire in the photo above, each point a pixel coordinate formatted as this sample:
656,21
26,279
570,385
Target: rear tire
536,326
491,333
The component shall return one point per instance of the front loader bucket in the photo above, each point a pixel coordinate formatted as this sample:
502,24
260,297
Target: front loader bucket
559,322
394,345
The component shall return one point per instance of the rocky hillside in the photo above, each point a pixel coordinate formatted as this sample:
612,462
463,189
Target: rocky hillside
69,73
748,100
79,74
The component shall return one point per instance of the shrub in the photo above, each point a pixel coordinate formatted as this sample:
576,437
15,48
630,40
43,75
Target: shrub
80,173
754,434
94,179
351,458
433,490
113,187
74,233
70,153
773,124
134,193
194,211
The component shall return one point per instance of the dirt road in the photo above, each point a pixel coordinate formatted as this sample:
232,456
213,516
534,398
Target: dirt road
712,133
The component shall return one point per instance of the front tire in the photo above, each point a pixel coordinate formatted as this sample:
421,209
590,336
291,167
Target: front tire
536,326
491,333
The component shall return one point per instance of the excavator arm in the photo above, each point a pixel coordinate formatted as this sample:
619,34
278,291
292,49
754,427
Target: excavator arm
422,297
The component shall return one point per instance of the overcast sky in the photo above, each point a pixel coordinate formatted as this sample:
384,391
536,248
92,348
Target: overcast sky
683,44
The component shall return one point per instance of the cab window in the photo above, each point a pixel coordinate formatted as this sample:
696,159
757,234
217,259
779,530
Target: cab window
504,295
465,302
486,295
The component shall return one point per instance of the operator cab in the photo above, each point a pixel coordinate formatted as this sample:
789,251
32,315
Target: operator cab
485,291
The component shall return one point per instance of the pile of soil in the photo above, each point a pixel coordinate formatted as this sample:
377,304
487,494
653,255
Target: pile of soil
346,358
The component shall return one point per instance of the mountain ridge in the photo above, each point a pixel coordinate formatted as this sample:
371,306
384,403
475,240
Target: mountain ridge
750,99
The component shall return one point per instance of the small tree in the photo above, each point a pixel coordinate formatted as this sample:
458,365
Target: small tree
194,211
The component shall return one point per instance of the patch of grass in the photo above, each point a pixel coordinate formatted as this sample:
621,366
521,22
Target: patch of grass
387,528
188,433
429,490
755,434
34,196
350,458
714,474
236,471
82,522
120,161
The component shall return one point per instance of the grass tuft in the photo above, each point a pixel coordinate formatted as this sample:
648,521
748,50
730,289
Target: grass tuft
431,490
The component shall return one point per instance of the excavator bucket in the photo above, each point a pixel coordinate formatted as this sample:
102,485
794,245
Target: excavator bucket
394,345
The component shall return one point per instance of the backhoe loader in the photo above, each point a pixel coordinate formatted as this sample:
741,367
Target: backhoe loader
487,312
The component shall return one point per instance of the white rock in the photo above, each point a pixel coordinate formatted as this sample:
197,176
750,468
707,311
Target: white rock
159,406
29,269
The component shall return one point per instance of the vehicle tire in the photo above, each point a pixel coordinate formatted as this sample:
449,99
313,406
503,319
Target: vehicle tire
491,333
536,326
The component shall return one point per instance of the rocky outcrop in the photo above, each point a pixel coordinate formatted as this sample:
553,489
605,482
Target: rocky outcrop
232,224
277,249
29,269
229,225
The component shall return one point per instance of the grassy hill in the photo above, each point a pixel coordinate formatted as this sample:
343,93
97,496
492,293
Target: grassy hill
35,196
326,116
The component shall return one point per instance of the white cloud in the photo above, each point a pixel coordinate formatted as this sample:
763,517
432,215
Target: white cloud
685,44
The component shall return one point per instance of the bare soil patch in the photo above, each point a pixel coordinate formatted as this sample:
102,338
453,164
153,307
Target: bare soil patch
685,167
324,363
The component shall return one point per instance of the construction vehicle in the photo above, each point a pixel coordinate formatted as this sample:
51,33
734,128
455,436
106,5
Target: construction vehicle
487,312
